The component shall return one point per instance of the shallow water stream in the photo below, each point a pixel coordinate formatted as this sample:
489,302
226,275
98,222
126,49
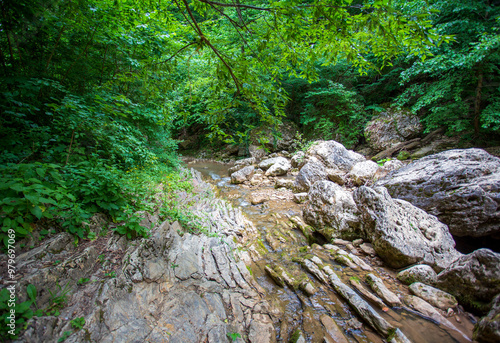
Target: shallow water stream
281,244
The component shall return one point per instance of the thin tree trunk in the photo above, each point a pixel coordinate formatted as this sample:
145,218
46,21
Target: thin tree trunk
477,101
54,49
79,56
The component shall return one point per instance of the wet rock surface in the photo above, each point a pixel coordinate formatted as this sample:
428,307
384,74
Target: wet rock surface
274,279
460,187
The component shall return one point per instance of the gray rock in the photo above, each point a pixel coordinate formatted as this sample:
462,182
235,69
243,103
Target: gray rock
242,175
256,152
393,165
419,273
311,172
259,198
332,210
333,330
378,286
474,279
488,328
334,155
300,197
366,312
433,296
280,167
284,183
298,160
401,233
268,163
390,128
460,187
240,164
428,310
367,248
363,172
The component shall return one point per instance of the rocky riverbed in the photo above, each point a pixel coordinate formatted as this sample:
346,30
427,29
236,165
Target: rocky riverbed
306,248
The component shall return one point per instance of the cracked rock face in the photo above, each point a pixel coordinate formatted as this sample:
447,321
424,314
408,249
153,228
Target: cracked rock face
391,128
334,155
171,287
332,210
474,279
461,187
401,233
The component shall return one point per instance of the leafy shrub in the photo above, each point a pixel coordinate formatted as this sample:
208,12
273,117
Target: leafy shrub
334,113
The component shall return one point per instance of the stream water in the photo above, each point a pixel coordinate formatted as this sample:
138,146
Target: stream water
282,245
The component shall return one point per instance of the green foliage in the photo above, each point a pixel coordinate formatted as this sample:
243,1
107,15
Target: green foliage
77,323
456,88
233,336
65,336
334,113
14,314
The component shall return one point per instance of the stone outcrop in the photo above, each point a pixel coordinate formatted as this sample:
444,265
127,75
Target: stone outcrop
332,210
174,286
391,128
474,279
460,187
401,233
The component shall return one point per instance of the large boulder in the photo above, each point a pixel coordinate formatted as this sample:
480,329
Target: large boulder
488,329
391,128
332,210
401,233
311,172
461,187
334,155
474,279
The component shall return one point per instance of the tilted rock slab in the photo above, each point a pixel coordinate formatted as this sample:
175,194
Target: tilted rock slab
461,187
332,210
171,287
433,296
474,279
401,233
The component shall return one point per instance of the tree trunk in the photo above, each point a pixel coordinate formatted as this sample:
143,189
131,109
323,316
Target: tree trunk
477,101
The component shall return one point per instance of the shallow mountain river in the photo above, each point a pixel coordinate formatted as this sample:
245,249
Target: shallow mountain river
312,304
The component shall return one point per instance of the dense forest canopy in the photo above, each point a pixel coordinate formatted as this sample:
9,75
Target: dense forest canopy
93,94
